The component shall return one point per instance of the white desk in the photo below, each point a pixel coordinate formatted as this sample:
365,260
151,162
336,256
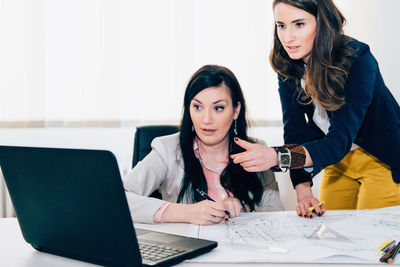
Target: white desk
14,251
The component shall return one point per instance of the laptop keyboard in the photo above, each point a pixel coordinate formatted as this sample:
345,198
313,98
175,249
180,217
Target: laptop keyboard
157,252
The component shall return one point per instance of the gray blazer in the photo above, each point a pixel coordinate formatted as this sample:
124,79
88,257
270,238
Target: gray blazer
162,169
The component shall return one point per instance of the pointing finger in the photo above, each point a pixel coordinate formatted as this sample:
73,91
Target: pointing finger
246,145
236,157
233,156
242,157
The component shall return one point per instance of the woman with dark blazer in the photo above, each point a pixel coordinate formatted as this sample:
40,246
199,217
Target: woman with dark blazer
338,114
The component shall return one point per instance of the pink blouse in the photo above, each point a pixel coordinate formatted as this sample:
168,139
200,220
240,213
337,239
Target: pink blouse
213,176
213,179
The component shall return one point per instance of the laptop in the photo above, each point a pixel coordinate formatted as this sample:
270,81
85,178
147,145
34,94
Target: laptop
71,203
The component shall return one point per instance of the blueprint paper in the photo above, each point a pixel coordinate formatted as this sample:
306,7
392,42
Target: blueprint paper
350,236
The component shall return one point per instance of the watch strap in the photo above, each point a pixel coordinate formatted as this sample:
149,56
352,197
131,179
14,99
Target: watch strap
280,149
275,169
297,153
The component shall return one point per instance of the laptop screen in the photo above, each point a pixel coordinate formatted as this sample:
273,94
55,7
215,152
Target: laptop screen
71,202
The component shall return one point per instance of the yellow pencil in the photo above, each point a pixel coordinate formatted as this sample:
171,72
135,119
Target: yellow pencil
312,207
384,244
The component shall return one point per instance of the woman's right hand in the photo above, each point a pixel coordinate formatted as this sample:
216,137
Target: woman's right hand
256,158
205,212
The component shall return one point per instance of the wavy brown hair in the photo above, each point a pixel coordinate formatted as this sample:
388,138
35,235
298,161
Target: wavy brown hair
329,63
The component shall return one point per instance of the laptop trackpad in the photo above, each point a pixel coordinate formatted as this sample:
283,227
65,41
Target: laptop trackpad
160,237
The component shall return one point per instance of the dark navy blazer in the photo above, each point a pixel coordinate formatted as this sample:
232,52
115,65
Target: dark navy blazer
369,118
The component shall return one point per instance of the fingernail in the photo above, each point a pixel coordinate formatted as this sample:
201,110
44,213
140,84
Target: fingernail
320,214
236,139
226,219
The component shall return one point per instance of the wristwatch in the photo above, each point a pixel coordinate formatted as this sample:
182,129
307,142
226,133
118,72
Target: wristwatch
284,158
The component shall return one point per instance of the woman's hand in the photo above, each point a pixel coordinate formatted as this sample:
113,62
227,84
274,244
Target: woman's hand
256,158
206,212
305,200
233,206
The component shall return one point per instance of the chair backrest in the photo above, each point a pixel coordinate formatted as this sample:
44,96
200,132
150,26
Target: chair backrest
144,136
142,146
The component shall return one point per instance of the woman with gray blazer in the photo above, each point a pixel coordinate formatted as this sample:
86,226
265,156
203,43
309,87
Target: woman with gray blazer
197,159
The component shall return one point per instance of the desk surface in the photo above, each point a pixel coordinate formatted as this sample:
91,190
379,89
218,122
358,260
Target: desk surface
16,252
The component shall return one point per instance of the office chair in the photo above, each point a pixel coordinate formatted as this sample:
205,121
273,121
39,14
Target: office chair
142,146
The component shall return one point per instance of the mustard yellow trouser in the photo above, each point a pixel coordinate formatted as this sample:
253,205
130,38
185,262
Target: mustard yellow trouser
358,181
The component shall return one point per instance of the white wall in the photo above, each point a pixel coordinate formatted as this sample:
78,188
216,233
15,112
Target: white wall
376,23
129,60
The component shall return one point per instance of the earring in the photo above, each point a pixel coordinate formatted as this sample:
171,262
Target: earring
235,128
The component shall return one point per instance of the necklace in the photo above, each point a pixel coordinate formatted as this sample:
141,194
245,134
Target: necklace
216,171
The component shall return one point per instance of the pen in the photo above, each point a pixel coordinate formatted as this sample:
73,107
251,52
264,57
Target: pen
385,249
388,253
205,196
312,207
384,245
394,253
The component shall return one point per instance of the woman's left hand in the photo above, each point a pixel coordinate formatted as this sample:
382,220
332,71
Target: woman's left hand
306,203
256,158
232,205
306,199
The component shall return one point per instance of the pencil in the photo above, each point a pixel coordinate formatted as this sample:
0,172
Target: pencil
384,245
312,207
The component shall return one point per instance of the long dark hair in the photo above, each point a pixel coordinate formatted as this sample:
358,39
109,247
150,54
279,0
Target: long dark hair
233,178
329,64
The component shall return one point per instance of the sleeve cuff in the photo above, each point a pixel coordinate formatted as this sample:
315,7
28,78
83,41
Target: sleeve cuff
158,216
299,176
309,169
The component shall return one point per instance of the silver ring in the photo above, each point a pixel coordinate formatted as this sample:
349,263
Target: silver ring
213,218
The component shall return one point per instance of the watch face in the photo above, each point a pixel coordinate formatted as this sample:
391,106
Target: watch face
285,159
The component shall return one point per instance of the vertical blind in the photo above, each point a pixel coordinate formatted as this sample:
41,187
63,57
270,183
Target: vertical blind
74,60
88,60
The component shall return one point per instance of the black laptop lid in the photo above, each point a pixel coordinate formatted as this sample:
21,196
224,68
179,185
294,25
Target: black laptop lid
47,185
